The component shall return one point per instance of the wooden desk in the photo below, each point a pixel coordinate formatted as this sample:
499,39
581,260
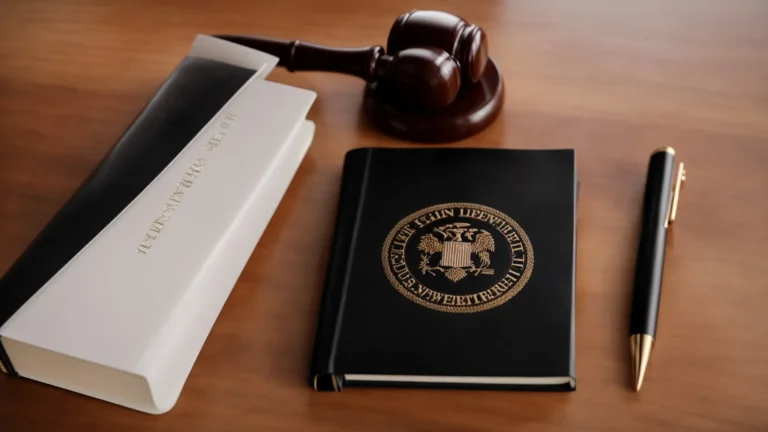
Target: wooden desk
614,80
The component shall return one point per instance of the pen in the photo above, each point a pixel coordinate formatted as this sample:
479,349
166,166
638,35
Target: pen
662,192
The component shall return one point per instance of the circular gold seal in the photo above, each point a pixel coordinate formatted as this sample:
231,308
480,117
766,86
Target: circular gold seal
458,257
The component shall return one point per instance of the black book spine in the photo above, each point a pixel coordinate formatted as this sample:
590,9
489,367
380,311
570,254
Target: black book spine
323,376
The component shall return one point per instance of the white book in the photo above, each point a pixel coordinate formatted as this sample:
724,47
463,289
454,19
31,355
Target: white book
124,319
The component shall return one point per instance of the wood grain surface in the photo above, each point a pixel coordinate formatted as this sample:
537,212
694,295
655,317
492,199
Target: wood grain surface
612,79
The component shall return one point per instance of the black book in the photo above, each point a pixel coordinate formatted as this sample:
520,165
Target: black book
451,268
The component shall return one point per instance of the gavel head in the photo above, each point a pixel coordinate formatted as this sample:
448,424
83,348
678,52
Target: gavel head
426,77
465,42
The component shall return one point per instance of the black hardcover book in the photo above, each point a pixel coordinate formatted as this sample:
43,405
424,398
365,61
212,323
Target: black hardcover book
451,268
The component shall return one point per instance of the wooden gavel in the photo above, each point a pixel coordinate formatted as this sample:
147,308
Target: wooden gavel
429,56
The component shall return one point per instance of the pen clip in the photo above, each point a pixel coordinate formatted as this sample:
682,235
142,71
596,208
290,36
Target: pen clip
672,213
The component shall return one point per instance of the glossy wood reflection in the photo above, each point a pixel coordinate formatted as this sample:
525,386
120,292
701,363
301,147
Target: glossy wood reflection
614,80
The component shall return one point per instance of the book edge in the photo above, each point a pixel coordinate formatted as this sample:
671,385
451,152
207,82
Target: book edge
351,199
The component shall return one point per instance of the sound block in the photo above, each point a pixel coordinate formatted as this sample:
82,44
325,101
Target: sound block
475,108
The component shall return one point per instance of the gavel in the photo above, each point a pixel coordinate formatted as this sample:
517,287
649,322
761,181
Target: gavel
430,55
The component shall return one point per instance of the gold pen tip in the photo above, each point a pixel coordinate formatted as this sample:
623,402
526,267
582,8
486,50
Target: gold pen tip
640,347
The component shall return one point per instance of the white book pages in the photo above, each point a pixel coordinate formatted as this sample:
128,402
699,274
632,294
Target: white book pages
126,318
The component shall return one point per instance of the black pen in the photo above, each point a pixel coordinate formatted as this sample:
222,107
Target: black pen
662,192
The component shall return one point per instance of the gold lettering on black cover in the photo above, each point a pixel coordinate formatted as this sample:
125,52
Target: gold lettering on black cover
458,257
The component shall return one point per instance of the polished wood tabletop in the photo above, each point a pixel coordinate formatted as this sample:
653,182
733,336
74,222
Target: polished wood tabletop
612,79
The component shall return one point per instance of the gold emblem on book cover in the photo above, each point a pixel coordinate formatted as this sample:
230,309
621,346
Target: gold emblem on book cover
446,257
456,251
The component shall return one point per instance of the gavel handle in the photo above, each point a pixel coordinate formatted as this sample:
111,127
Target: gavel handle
303,56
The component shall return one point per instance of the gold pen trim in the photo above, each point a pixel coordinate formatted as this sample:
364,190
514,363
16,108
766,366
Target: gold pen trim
2,368
315,383
669,150
640,346
676,192
674,198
